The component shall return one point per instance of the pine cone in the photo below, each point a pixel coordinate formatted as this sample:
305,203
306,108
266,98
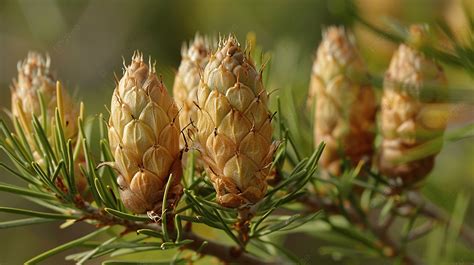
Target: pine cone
194,58
34,76
406,121
234,126
144,136
344,101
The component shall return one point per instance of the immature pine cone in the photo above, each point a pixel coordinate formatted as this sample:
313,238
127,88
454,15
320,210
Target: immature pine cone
194,58
234,126
344,101
406,121
33,76
144,136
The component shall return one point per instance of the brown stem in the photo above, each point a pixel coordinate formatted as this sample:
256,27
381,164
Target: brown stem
421,230
227,254
395,248
432,211
243,224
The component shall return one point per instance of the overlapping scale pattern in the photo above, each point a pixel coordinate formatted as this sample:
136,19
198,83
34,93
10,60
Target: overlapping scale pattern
407,122
34,76
144,135
343,100
234,126
194,58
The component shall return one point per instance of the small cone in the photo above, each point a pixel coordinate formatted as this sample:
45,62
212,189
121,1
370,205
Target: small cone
194,58
144,136
408,123
34,77
234,126
343,100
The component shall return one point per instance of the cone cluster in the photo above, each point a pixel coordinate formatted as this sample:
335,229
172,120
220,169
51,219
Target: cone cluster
226,103
220,96
345,107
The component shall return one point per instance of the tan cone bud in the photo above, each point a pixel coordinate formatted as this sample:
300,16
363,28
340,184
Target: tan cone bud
194,58
34,76
144,136
234,126
343,100
407,122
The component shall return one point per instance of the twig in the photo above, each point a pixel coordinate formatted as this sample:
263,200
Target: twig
432,211
388,241
243,225
421,230
388,222
223,252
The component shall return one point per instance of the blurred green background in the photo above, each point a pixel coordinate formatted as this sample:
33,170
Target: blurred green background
87,40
